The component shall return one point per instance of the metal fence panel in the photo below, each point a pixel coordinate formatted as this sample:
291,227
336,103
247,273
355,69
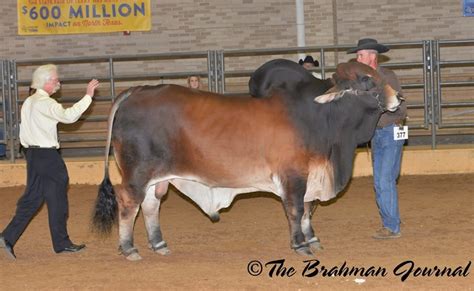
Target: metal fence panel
430,59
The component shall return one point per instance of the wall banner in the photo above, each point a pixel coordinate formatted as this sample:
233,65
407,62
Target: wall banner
468,7
37,17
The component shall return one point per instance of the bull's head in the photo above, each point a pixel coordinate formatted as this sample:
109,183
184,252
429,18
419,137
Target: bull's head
357,78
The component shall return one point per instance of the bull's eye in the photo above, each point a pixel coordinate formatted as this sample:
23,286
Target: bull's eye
366,83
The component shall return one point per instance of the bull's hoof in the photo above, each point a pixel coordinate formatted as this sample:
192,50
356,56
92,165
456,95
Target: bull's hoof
130,254
134,257
315,245
304,251
163,251
160,248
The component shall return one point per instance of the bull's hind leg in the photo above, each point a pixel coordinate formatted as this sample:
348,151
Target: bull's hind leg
294,188
128,209
151,211
307,228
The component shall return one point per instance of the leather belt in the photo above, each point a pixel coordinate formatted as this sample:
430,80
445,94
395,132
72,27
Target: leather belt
399,122
39,147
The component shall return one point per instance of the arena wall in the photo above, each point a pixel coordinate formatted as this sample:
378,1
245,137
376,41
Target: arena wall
195,25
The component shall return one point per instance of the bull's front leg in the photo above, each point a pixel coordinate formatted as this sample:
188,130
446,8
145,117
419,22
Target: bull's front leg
294,188
151,212
307,228
128,209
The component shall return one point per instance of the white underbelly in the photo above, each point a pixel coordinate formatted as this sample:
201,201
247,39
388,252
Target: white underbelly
213,198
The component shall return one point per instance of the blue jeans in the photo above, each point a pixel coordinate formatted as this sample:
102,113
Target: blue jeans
3,147
386,158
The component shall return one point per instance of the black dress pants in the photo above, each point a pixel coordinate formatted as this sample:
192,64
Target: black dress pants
47,180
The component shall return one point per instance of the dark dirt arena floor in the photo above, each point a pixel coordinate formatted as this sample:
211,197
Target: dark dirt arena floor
437,231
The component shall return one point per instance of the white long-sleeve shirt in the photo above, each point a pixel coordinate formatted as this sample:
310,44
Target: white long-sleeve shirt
40,115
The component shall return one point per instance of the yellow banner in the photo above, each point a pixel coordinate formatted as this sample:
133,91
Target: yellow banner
82,16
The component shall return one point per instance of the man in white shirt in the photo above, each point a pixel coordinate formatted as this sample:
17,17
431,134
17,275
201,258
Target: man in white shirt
47,177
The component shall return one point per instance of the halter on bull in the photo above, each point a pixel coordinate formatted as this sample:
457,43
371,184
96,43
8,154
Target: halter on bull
213,147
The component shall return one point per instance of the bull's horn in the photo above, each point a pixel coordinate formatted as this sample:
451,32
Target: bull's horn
400,96
328,97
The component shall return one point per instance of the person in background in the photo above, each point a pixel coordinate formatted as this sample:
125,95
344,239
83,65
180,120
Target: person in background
310,64
194,82
47,176
386,151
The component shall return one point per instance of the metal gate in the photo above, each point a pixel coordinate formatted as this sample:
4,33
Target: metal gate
431,61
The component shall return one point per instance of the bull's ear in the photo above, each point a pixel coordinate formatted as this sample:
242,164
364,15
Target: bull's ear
328,97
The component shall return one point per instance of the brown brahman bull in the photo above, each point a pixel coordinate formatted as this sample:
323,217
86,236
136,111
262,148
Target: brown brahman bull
213,147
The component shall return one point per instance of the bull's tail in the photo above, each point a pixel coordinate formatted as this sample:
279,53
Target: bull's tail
105,211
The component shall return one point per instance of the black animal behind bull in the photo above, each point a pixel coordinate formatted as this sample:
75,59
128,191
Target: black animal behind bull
212,148
289,76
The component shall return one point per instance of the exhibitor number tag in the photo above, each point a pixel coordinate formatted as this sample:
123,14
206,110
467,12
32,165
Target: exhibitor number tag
400,132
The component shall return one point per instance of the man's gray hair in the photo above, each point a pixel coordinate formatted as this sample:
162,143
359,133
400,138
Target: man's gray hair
41,75
373,52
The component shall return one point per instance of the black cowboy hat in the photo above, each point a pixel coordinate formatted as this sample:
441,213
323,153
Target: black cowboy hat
309,59
368,44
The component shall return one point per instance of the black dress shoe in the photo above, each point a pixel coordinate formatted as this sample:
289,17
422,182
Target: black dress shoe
8,247
71,249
